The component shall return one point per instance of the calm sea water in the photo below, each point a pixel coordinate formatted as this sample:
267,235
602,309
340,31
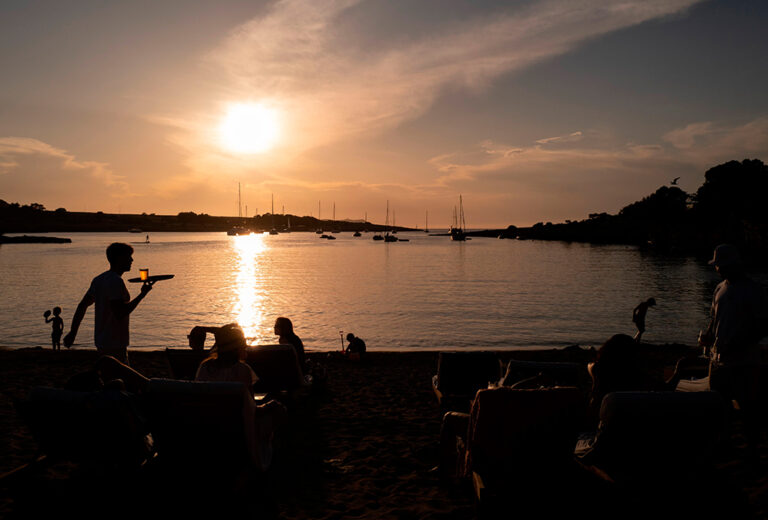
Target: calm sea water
428,293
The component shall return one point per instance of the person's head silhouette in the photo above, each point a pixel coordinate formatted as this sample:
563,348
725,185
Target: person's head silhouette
56,311
120,257
283,327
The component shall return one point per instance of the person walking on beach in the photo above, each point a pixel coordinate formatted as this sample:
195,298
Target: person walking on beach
738,322
57,327
113,305
638,316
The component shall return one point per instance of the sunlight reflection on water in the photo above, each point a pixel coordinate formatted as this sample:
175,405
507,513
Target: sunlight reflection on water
249,304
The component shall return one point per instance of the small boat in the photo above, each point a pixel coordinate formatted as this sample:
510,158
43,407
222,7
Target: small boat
238,230
403,239
458,229
378,237
356,234
387,236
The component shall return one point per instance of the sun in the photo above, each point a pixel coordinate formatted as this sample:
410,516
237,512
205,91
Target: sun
249,128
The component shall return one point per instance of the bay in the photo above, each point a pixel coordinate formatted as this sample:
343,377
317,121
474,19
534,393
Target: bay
428,293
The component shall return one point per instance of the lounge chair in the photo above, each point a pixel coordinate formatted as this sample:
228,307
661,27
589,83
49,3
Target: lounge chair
277,367
558,373
203,426
655,436
184,362
461,374
519,446
104,428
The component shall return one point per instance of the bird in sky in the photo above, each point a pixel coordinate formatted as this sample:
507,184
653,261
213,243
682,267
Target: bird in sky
674,181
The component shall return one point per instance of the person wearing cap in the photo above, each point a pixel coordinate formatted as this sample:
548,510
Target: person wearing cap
738,322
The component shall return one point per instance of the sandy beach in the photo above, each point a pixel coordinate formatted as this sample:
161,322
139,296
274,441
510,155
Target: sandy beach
363,448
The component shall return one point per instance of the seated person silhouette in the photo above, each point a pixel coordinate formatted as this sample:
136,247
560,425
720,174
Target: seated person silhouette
356,347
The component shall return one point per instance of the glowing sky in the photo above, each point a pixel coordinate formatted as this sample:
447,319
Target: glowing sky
536,110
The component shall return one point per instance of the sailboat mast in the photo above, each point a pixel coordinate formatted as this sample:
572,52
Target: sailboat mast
239,203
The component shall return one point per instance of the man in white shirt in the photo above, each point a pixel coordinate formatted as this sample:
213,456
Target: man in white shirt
113,305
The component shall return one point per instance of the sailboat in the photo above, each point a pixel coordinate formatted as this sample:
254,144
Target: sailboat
387,236
238,230
273,231
335,227
459,227
319,231
378,235
288,226
426,222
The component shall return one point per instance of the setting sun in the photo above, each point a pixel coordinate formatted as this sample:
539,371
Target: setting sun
249,128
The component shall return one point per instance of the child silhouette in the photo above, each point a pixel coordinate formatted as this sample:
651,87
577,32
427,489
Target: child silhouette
57,327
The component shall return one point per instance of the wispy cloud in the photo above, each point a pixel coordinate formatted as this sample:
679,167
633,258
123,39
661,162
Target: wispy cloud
617,173
575,136
32,170
296,58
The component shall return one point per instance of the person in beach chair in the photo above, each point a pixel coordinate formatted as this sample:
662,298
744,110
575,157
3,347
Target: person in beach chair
226,364
284,329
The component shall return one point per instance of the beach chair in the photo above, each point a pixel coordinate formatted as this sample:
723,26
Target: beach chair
557,373
184,362
103,429
461,374
519,446
277,367
203,428
655,437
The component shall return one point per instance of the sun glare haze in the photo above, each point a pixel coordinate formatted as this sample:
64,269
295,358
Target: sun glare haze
249,128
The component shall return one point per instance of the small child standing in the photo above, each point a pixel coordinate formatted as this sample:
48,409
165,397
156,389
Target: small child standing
57,327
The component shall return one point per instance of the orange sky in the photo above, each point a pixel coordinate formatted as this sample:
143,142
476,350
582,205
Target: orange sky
542,110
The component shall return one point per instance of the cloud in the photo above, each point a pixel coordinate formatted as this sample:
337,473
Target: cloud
686,137
32,170
609,175
297,58
294,56
575,136
708,141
